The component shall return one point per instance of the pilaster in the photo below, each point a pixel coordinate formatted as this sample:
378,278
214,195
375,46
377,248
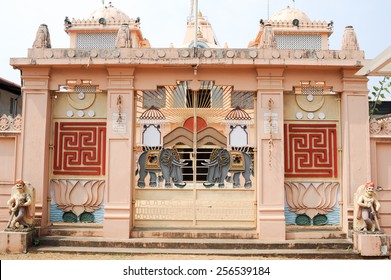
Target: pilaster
270,156
35,137
118,215
356,168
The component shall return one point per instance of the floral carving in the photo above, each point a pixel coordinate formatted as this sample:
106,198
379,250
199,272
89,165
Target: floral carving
7,123
311,200
18,123
4,123
78,196
380,126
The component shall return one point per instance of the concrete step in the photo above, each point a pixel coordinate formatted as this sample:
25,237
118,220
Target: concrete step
267,253
298,233
194,233
181,243
75,230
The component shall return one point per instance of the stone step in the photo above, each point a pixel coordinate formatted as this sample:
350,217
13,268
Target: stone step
267,253
190,244
75,230
194,233
297,233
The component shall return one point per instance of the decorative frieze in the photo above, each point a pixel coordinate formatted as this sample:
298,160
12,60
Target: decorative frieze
160,55
380,126
10,124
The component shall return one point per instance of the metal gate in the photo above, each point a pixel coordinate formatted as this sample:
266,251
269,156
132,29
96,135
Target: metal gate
195,157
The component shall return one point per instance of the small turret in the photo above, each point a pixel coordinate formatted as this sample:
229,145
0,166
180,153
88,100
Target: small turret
349,40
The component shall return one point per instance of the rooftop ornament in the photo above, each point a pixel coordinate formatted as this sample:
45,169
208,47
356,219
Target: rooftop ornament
42,38
349,41
238,116
152,115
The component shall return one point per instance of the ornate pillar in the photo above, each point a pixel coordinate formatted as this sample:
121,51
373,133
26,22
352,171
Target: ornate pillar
35,137
270,157
356,168
118,217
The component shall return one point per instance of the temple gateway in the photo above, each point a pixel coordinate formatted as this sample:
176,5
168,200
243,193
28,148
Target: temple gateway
264,141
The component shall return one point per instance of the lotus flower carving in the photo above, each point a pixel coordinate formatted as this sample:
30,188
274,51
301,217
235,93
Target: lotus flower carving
78,196
311,200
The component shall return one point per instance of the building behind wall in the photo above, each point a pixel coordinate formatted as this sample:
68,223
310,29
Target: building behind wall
10,98
131,136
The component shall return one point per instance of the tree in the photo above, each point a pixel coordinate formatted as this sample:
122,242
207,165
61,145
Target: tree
378,94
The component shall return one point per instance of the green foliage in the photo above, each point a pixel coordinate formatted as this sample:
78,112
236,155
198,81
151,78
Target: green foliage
379,93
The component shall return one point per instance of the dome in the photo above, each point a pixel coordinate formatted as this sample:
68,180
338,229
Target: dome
289,14
238,115
109,13
152,115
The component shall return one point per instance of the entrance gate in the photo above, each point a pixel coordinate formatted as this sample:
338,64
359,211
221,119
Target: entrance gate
189,144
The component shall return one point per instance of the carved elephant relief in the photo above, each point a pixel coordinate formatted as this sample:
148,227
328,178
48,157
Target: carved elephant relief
164,161
222,162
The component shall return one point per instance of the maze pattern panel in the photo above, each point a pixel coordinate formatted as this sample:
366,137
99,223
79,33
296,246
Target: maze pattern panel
79,148
311,150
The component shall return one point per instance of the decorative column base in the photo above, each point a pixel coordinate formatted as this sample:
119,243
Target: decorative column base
372,244
16,242
117,222
271,223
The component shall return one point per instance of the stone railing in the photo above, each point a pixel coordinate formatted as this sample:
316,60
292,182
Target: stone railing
381,126
10,124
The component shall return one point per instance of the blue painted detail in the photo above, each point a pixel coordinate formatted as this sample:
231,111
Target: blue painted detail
56,214
333,217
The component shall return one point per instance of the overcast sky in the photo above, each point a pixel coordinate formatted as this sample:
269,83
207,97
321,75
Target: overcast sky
164,21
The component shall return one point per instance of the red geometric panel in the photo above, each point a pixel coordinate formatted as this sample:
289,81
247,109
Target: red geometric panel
79,148
311,150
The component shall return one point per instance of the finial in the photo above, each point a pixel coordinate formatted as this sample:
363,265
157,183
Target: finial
349,41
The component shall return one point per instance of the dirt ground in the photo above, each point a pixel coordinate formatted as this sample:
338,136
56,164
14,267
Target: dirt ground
64,256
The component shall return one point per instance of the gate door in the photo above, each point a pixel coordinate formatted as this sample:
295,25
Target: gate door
195,160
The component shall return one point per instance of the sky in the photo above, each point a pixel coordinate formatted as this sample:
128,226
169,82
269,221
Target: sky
235,22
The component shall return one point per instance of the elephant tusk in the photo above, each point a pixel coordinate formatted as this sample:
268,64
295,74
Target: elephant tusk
179,163
209,163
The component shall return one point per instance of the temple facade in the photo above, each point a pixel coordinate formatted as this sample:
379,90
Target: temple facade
128,136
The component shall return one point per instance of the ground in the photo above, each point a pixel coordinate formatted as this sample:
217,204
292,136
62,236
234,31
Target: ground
63,256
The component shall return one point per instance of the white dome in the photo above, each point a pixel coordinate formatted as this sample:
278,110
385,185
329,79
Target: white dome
109,13
289,14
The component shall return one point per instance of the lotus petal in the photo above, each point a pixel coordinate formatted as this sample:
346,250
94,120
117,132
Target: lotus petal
88,188
295,195
101,193
322,211
321,190
57,192
302,190
89,209
311,212
290,195
78,195
333,195
98,193
69,187
301,211
78,209
63,191
312,198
